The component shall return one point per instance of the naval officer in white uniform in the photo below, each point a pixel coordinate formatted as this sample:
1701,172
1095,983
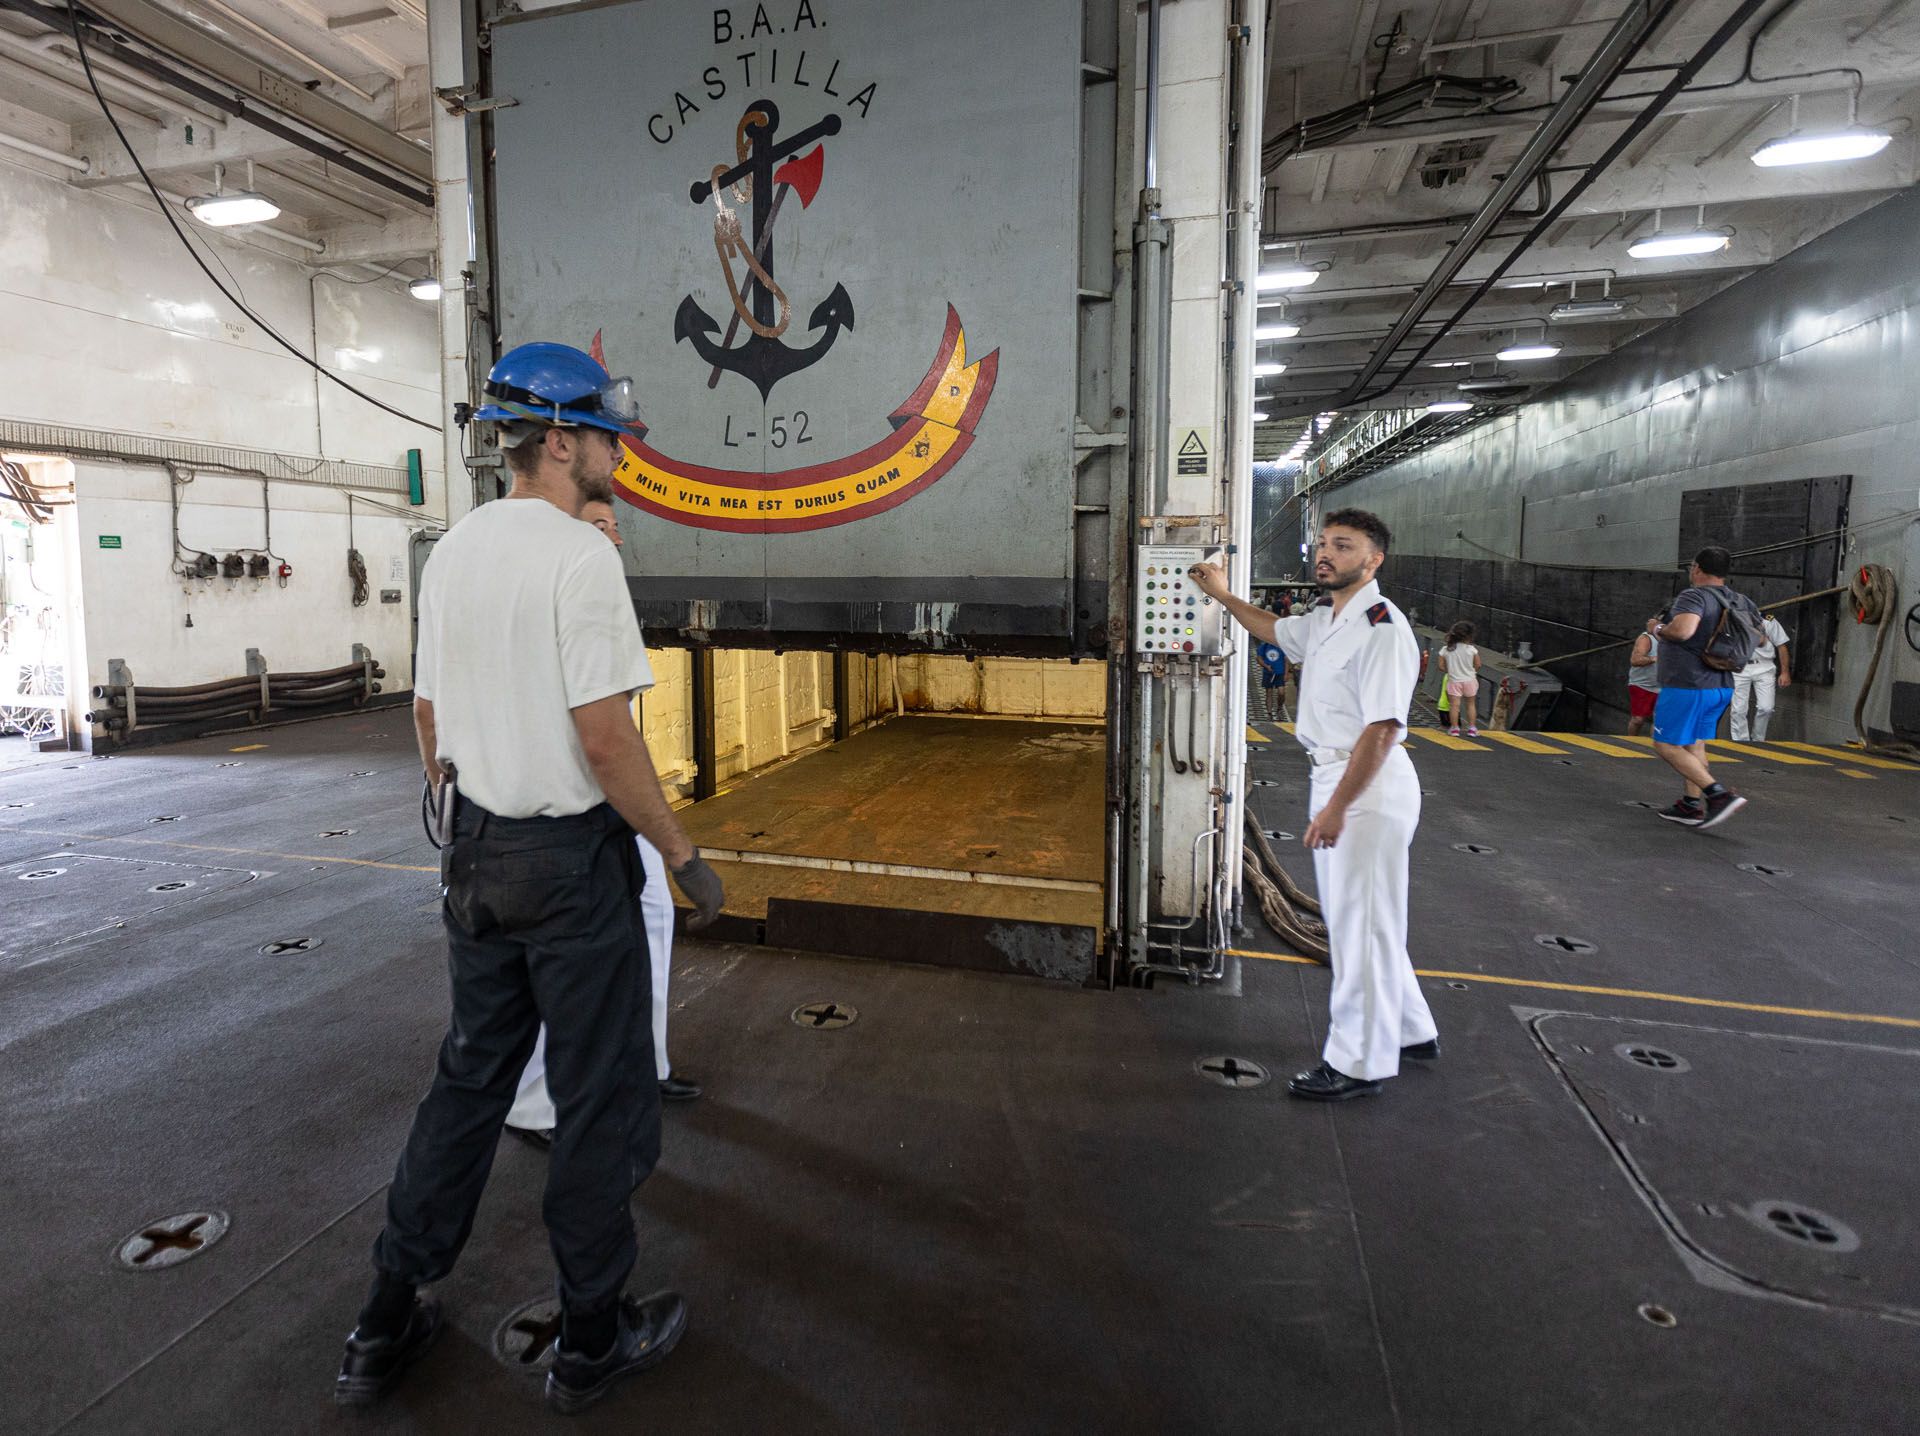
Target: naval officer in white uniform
1358,663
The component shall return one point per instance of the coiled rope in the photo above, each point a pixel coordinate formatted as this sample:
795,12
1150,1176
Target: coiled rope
1290,910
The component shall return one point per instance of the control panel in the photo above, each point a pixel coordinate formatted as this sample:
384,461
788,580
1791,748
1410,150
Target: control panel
1170,614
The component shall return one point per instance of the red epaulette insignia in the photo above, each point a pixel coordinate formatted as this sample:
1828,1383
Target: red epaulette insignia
1379,613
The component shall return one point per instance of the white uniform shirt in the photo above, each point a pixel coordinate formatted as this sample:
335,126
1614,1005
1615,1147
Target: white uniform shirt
524,616
1762,660
1355,670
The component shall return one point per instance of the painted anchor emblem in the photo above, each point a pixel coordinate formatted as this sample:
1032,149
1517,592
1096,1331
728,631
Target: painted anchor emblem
768,169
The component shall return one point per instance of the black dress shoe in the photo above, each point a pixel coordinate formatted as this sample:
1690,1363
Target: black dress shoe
678,1089
649,1329
1427,1051
541,1137
1325,1084
374,1364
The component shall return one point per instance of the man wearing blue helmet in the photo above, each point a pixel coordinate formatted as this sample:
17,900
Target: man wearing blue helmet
529,652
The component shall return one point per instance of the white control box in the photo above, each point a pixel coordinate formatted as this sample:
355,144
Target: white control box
1171,617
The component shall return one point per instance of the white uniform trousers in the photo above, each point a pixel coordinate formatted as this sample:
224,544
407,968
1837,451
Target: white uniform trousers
532,1107
1377,1006
1763,686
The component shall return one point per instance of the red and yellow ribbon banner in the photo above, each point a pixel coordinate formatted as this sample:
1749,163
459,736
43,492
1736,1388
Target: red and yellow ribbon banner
931,430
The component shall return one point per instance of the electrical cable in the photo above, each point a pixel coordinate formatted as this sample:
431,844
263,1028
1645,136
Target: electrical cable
166,211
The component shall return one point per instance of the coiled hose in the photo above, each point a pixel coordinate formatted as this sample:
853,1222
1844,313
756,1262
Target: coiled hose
1290,911
1874,597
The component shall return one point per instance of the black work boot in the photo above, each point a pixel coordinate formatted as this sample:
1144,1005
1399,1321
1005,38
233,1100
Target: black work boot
1327,1083
373,1365
648,1330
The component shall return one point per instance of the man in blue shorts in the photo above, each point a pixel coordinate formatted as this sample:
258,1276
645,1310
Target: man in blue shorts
1694,695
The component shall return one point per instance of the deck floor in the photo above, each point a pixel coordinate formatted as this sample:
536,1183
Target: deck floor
995,1204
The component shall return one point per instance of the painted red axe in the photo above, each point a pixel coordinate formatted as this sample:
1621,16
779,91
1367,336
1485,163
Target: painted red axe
800,174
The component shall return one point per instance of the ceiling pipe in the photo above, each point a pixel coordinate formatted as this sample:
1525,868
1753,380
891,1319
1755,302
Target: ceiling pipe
1684,76
41,152
1614,53
102,41
112,72
285,47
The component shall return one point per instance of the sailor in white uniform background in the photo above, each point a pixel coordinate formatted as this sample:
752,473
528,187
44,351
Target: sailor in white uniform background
1358,662
532,1116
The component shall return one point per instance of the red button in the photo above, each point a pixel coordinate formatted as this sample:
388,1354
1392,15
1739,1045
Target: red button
1189,647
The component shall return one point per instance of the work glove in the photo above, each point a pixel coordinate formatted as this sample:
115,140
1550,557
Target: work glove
702,886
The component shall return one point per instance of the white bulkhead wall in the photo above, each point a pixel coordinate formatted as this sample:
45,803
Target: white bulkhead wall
110,326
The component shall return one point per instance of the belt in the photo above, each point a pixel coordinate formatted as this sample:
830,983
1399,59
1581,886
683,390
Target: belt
471,818
1323,756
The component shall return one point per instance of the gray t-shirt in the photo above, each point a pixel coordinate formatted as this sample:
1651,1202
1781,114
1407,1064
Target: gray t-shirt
1680,665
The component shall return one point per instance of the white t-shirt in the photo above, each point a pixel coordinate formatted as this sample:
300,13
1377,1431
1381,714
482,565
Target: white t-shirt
1459,659
524,616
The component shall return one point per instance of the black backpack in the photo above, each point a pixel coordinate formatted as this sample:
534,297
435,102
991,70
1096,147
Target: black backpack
1735,634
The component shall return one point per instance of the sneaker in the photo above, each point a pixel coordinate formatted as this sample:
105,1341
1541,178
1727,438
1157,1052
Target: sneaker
1473,732
649,1329
1453,732
1721,806
1688,812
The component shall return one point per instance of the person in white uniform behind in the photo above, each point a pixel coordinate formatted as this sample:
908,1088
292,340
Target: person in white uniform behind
1358,662
532,1117
1769,669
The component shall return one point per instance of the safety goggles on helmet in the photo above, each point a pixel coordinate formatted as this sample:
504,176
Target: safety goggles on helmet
614,400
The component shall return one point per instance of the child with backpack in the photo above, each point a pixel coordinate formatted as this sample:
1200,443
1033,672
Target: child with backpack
1708,634
1462,661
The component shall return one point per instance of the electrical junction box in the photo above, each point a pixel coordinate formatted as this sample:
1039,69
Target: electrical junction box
390,595
1170,614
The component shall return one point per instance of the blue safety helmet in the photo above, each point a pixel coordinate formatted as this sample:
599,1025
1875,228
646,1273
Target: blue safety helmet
558,384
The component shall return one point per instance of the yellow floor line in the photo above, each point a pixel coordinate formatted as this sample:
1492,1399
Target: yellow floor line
1447,740
1854,773
1525,745
1253,737
248,748
1612,750
1823,1015
229,852
1852,755
1642,741
1753,750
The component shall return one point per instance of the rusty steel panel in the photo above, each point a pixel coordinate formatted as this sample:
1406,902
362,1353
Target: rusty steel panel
836,244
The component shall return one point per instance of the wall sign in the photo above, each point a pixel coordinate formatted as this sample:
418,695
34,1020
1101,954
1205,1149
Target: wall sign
109,540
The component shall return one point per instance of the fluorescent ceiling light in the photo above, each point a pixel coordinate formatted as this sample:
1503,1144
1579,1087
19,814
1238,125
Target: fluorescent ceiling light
239,207
427,288
1449,363
1575,311
1854,144
1275,331
1296,278
1259,416
1522,352
1450,406
1670,246
1261,371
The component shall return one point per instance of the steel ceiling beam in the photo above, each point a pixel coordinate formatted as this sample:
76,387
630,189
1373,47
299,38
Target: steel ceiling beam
1614,53
186,43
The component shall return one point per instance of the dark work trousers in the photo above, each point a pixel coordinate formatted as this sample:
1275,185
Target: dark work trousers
543,924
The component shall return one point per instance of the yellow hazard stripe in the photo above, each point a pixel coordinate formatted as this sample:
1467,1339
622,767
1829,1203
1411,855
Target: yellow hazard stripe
1851,755
1446,740
1720,745
1612,750
1525,745
1256,737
